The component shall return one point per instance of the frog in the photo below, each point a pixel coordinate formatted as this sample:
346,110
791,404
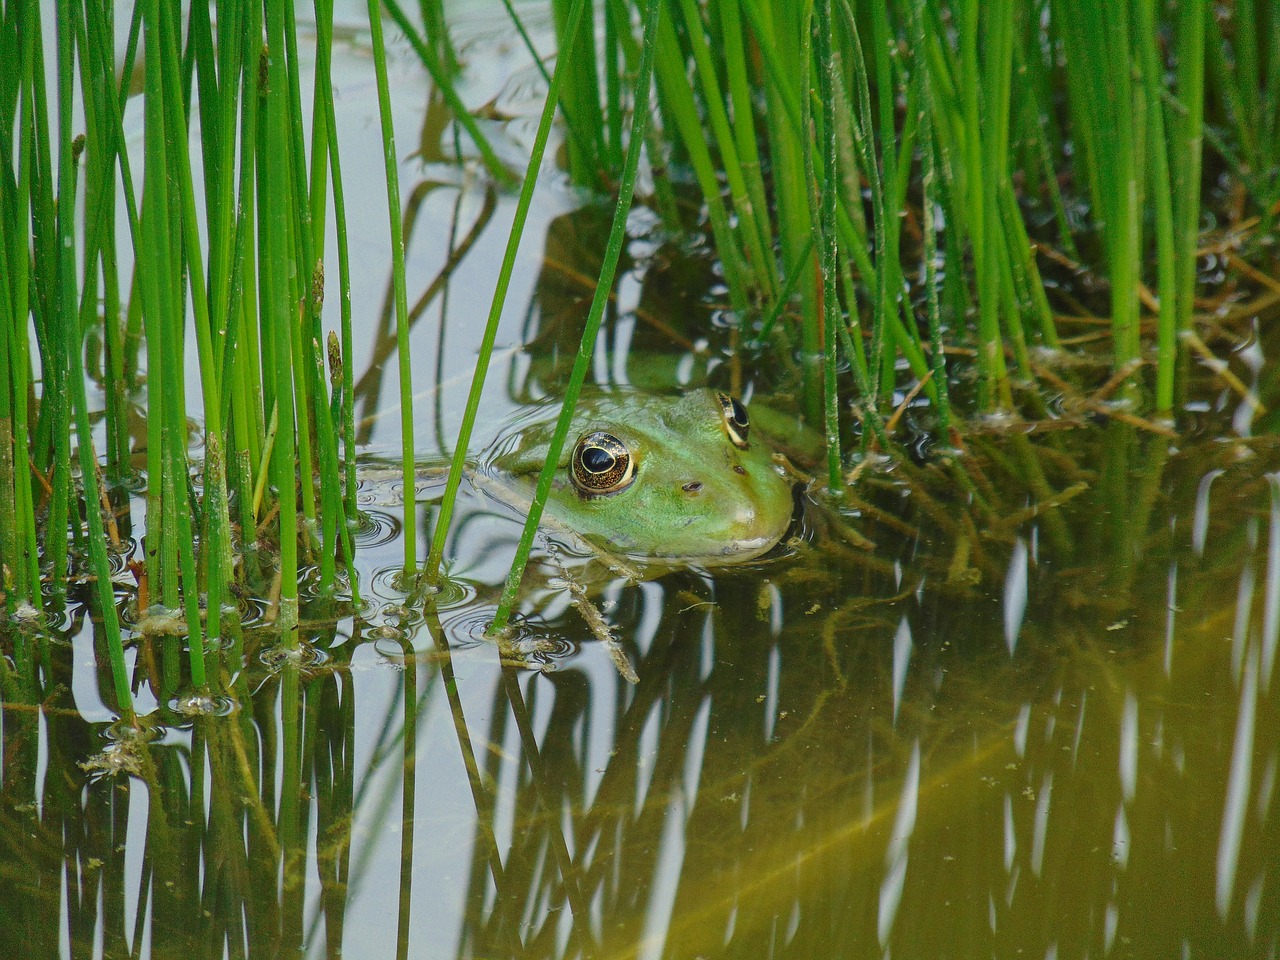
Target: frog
678,480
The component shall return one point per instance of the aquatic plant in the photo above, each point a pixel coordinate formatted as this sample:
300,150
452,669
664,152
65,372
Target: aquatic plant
885,196
892,195
244,269
909,99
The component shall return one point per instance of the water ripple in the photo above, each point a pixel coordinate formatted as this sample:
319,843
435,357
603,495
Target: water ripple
376,528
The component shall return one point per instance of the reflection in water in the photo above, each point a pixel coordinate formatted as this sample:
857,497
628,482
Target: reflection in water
1015,594
817,761
1237,788
1271,612
368,389
895,860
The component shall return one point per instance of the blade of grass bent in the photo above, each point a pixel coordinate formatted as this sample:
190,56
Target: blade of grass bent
617,236
458,464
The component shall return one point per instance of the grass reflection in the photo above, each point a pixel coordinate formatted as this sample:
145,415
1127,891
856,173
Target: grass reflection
786,777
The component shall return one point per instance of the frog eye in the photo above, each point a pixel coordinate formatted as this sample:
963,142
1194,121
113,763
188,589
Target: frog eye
601,464
736,421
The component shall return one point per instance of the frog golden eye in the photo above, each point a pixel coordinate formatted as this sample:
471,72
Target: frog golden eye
736,421
601,464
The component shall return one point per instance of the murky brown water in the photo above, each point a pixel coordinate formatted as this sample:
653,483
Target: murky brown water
1011,728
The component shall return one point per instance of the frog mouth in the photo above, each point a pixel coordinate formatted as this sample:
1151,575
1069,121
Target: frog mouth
767,546
798,529
783,545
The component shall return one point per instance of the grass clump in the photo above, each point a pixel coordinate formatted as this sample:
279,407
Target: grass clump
863,124
236,285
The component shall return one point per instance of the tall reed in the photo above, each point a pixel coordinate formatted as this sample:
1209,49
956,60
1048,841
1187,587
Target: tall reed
19,550
609,265
966,91
839,149
237,284
390,161
577,15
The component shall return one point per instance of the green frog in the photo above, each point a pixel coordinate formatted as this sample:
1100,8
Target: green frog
675,479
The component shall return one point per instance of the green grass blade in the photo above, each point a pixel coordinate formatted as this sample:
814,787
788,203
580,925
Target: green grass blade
75,372
1161,188
456,468
613,250
827,80
397,273
280,317
1186,152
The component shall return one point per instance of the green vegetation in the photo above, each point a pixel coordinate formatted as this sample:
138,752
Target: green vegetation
920,223
885,186
244,268
890,100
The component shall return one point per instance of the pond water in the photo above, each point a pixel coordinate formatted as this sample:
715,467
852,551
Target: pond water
951,717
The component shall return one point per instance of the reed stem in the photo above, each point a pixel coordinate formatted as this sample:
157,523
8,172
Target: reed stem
613,250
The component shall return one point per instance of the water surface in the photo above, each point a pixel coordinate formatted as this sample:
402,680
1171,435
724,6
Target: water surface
952,719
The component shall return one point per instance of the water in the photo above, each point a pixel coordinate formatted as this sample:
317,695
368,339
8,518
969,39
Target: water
954,719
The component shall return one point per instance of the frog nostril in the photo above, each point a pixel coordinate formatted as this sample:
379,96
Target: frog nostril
693,486
739,469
